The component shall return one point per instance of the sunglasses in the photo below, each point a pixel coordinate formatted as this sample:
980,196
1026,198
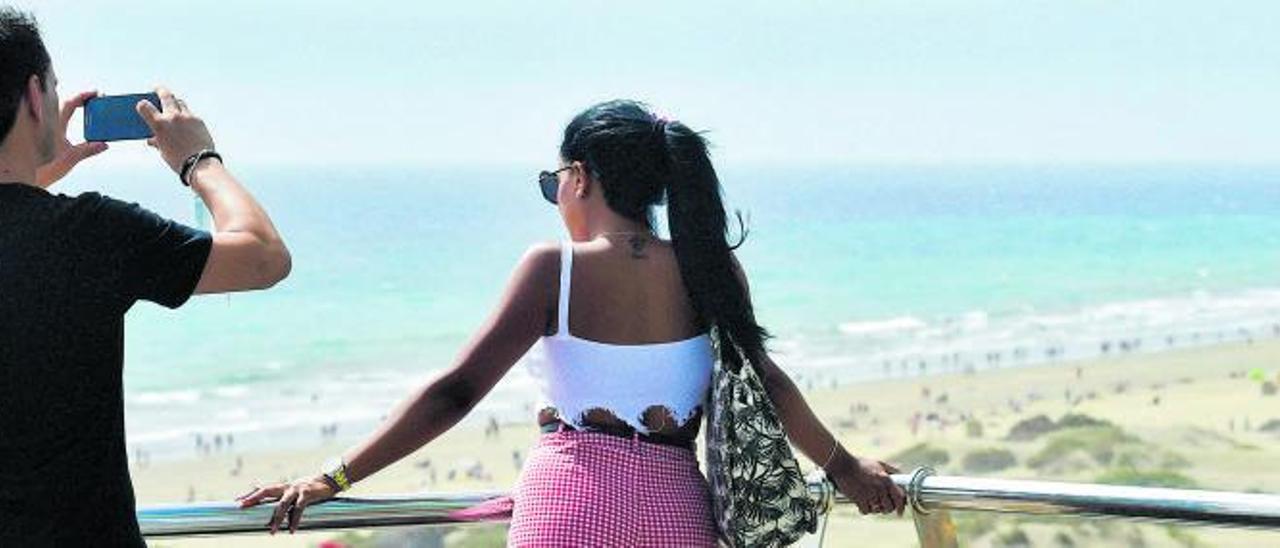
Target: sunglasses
550,183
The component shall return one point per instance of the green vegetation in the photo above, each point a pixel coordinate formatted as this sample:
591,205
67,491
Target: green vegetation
1013,538
1183,537
921,454
1204,437
1005,530
1149,478
989,460
973,525
1032,428
1063,540
1147,457
1039,425
973,428
1098,442
1077,420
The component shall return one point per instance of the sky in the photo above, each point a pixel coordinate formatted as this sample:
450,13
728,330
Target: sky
481,82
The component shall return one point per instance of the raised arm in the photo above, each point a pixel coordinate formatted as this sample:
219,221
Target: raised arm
520,318
864,480
247,251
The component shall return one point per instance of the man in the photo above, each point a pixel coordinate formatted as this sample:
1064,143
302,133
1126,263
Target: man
70,267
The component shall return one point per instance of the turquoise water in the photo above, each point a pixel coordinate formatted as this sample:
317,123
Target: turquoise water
859,273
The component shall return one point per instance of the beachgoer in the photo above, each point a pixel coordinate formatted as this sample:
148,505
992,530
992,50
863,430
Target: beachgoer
70,267
631,325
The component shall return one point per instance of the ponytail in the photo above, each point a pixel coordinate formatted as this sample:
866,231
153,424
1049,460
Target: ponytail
699,232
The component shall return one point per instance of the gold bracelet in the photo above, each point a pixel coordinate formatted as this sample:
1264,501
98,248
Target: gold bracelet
336,471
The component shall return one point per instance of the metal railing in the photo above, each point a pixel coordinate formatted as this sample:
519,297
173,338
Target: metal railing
217,518
931,498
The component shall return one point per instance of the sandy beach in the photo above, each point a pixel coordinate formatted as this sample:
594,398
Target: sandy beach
1191,418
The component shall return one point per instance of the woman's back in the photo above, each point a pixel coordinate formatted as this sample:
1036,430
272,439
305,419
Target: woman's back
626,290
633,354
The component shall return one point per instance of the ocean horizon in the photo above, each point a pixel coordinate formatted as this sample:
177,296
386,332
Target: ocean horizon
860,274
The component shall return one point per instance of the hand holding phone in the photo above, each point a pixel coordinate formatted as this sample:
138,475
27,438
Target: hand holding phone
116,118
66,155
179,133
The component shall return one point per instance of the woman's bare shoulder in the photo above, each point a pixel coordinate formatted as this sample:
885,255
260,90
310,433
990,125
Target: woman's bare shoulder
541,258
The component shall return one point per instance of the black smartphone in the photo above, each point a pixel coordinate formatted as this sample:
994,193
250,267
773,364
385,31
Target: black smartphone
115,117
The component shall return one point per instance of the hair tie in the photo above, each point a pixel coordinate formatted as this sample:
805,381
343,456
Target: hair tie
660,139
661,121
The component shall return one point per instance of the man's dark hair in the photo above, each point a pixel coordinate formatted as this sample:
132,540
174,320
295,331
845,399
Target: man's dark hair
22,54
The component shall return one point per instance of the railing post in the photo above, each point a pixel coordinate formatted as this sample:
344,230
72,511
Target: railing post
934,527
824,492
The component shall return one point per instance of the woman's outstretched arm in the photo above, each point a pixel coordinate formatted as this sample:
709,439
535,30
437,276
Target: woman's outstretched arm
436,407
520,318
864,480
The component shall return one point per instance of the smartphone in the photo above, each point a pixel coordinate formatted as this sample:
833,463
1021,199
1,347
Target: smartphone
115,117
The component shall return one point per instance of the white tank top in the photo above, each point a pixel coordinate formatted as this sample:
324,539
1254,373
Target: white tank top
578,375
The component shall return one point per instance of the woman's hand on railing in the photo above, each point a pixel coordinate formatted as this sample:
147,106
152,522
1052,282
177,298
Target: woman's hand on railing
866,482
291,499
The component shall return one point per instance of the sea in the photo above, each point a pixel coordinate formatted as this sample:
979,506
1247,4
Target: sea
860,273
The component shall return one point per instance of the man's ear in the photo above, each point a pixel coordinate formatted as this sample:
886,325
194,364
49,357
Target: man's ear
35,97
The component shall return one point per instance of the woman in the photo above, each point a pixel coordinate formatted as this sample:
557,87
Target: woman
626,367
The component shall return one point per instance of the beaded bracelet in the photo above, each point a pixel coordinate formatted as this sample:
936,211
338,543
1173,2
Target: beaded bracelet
189,164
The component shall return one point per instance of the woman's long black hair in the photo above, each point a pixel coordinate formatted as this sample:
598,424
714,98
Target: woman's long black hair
641,159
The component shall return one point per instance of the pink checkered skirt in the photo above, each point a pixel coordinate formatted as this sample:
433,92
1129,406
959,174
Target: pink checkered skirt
590,489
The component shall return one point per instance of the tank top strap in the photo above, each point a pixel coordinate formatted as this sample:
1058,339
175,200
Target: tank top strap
566,273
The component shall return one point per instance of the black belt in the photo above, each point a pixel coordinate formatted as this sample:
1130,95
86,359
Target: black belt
623,431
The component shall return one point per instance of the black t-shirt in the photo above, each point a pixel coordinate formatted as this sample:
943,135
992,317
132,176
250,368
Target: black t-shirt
70,267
